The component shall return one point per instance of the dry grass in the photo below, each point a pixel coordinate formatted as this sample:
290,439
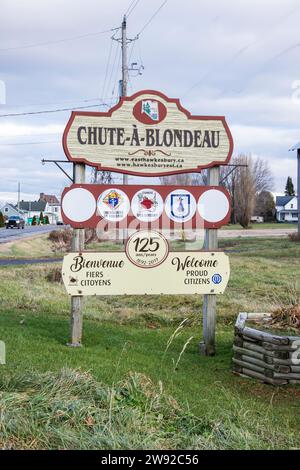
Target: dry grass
71,410
294,237
37,246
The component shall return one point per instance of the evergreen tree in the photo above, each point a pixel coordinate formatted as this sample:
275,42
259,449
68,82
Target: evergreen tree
46,220
289,187
33,220
2,224
41,218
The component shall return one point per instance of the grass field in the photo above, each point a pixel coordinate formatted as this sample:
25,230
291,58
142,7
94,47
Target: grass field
138,393
265,225
34,247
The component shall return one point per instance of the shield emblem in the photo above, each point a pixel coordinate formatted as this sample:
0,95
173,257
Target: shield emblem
150,108
180,205
113,199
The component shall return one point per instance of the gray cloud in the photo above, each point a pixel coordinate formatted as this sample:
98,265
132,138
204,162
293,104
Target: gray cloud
237,59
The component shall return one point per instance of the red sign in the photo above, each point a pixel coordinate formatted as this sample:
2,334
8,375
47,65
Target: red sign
85,205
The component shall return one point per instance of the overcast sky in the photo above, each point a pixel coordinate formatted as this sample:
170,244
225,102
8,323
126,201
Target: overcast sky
234,58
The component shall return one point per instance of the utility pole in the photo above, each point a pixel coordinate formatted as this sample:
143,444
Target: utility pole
78,244
124,89
124,69
124,40
124,57
19,192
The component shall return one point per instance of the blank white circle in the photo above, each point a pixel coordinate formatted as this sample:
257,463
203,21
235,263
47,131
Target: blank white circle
213,205
79,205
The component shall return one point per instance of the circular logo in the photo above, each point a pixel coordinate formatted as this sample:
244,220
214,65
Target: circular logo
113,205
147,248
213,205
79,205
149,111
147,205
217,279
180,205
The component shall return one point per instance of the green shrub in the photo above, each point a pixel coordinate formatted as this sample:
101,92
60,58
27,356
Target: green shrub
2,224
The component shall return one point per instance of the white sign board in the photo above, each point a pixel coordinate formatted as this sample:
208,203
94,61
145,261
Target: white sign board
114,273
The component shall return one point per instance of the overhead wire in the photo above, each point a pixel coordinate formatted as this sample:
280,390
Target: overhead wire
241,51
114,95
129,6
152,17
53,110
133,7
106,70
30,143
57,41
27,105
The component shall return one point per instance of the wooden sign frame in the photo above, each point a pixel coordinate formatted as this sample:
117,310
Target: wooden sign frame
76,151
163,221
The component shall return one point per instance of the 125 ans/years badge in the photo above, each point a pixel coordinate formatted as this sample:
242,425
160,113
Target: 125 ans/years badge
147,248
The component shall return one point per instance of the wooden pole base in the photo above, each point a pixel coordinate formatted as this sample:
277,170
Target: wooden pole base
207,346
76,321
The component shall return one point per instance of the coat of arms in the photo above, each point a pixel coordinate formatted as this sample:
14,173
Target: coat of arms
150,108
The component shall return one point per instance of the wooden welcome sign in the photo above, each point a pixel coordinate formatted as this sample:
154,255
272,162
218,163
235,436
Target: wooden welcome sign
130,273
147,134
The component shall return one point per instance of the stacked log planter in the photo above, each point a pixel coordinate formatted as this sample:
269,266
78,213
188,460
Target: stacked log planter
265,356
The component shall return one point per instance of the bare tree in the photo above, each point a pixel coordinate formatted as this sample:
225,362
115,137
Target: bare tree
245,190
262,175
228,179
245,184
183,179
101,177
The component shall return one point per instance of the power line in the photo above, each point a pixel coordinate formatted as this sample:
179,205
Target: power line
48,43
114,71
129,7
106,69
114,92
243,49
31,143
53,110
152,17
128,13
26,105
264,67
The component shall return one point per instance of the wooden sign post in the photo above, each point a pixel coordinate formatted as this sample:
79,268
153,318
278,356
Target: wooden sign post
78,244
207,346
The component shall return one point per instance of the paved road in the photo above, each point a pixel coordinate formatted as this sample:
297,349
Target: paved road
11,235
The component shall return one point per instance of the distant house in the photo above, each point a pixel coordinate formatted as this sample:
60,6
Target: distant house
52,208
9,210
48,204
286,209
49,198
32,208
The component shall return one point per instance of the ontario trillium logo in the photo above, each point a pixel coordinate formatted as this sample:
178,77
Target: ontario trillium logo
150,108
